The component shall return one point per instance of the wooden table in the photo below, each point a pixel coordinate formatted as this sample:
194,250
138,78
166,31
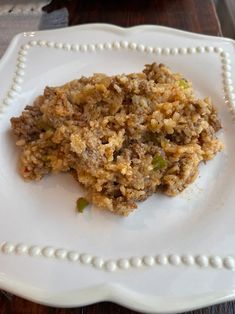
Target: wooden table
192,15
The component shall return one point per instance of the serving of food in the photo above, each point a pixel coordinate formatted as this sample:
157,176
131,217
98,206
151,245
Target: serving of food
123,137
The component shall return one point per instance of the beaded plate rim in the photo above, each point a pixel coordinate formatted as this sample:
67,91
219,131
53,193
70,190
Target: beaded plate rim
19,72
202,261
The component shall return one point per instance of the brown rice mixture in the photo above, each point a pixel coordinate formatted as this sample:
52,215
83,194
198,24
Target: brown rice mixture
124,137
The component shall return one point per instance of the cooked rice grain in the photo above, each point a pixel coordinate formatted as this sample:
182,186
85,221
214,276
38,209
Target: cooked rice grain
108,130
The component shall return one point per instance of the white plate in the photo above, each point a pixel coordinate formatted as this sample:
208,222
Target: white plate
170,255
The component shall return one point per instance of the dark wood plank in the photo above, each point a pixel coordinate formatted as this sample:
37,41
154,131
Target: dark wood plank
21,306
192,15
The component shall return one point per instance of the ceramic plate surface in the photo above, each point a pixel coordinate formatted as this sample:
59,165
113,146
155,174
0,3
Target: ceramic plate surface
170,255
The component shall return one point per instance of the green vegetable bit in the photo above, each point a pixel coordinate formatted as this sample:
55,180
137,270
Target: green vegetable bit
159,162
81,204
183,84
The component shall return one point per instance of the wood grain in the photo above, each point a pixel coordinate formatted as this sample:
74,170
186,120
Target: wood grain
192,15
20,306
